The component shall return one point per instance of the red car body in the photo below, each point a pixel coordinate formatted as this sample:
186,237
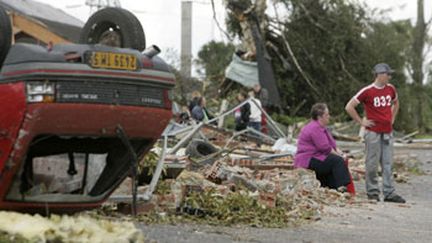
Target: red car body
60,112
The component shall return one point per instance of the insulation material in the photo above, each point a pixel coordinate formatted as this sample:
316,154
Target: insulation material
67,229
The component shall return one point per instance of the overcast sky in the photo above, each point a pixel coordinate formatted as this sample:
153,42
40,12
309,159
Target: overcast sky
161,18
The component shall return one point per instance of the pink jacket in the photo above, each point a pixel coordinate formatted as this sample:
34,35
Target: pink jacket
314,141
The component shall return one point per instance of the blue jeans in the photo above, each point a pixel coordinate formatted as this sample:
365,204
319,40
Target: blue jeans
255,125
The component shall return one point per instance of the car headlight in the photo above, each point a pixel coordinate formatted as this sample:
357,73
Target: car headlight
43,92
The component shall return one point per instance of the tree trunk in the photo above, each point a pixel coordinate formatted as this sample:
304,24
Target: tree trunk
252,20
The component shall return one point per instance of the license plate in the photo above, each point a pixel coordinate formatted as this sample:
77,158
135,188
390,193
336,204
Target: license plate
113,60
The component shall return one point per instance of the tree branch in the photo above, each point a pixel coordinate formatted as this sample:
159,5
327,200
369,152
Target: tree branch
342,63
293,57
308,15
294,111
285,63
217,22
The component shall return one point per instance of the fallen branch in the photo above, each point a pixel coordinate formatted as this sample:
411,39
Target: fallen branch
410,135
346,71
217,22
294,58
284,61
344,137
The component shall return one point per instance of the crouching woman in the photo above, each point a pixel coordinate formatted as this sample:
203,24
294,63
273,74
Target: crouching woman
316,150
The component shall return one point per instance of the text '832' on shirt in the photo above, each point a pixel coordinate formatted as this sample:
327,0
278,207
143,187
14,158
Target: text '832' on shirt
378,102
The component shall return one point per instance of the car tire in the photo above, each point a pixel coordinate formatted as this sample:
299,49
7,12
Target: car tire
5,35
199,148
114,27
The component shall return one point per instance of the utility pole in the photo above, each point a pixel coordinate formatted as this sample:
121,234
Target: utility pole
186,38
420,37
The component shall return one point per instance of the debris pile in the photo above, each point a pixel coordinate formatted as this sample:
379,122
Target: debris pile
233,178
274,198
225,177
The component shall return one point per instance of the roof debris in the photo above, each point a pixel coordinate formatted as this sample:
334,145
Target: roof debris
242,178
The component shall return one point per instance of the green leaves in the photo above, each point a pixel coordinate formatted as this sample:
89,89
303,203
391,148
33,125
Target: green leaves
237,208
214,57
335,43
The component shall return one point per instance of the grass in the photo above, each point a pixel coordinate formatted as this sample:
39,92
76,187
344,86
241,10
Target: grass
423,136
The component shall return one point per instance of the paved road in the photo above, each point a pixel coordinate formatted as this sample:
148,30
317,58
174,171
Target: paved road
365,222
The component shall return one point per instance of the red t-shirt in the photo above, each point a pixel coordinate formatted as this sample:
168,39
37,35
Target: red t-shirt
378,102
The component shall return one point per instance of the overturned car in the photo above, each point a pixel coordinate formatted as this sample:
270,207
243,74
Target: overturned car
74,116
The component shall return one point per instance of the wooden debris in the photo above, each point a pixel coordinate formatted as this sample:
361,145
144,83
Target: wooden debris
407,138
344,137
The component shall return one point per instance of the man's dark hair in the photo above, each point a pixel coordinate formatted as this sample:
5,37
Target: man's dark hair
317,110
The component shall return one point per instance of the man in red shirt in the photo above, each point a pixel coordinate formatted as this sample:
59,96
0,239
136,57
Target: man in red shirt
380,102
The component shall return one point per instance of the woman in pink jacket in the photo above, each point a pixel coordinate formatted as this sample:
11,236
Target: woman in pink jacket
316,150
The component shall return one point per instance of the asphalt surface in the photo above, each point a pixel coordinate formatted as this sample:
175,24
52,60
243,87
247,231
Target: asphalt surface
362,222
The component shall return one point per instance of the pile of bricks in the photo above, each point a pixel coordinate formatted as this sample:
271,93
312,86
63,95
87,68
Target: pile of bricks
214,172
241,162
268,199
282,163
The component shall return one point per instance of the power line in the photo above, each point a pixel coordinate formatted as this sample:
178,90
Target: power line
201,2
99,4
103,3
